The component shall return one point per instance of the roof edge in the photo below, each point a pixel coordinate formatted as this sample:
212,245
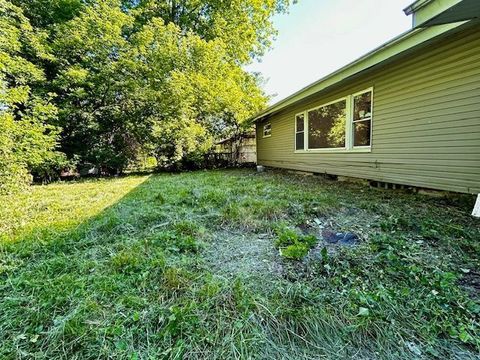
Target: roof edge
417,5
403,42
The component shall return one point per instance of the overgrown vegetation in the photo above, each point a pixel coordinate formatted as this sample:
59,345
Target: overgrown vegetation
27,137
109,82
293,245
186,266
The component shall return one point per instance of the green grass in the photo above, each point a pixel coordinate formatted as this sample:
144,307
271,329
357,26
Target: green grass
187,266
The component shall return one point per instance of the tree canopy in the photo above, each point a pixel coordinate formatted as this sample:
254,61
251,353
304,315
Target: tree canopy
105,81
27,137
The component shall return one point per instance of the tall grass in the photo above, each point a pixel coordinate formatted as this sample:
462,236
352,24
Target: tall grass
185,266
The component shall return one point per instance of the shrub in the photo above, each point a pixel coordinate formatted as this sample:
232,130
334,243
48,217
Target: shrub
13,176
51,167
26,139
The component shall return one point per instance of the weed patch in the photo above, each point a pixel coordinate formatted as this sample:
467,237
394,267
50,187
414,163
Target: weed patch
293,245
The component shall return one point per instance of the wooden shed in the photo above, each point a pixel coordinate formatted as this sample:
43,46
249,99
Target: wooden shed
238,149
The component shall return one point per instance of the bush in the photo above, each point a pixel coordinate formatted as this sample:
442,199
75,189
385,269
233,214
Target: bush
27,151
26,139
51,168
13,176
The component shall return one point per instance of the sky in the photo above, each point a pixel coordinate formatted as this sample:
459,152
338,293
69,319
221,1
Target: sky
318,37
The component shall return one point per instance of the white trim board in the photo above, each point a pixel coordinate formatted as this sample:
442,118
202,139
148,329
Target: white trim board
476,209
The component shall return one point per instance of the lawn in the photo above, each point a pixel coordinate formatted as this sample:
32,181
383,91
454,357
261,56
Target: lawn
210,264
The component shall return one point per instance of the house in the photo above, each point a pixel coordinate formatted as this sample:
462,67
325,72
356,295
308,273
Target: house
238,149
406,113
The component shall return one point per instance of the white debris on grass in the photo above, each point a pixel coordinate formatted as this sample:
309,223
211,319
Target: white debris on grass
476,209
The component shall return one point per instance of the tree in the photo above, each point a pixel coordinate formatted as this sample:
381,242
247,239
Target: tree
191,91
93,92
44,13
160,78
27,140
244,26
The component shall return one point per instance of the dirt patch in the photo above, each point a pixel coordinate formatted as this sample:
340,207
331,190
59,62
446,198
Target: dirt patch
471,283
335,232
232,254
346,219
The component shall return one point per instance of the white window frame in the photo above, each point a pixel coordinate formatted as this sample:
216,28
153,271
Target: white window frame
264,128
305,138
353,121
349,129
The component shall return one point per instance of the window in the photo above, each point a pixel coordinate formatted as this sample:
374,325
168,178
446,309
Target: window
326,126
342,125
362,119
300,132
267,130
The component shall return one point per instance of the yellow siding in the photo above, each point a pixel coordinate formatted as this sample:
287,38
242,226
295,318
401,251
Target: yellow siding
426,121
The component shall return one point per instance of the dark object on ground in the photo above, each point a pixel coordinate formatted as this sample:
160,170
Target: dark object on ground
347,238
471,282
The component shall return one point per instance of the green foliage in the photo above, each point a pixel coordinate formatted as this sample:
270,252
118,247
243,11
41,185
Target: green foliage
128,268
295,251
51,166
404,273
148,78
292,245
176,242
310,240
244,26
27,140
126,261
13,175
286,237
45,13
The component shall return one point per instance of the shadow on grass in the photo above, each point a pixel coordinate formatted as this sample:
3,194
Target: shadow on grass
128,282
132,281
82,290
